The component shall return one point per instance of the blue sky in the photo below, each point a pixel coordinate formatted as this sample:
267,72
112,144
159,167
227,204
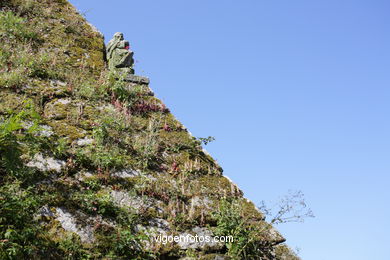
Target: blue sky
296,94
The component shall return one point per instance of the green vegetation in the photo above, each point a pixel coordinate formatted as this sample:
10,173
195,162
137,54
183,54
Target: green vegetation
206,140
247,237
21,235
11,138
13,26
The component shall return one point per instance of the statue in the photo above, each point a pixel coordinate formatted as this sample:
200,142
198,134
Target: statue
119,55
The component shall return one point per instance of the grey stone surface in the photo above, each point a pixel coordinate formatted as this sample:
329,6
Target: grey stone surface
69,223
137,79
126,173
57,83
81,176
84,141
43,130
123,199
57,109
203,202
27,124
64,101
143,88
46,163
80,223
130,173
274,236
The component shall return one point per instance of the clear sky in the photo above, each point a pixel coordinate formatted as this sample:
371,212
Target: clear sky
296,93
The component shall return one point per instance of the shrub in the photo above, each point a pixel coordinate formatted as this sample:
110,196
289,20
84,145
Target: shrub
12,26
231,223
22,237
10,148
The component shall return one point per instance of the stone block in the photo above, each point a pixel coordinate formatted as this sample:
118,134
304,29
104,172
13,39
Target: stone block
137,79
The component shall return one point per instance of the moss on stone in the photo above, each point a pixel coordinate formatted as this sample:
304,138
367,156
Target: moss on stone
212,185
10,101
283,252
249,210
64,129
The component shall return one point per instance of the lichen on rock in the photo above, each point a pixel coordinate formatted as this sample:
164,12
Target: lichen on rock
46,163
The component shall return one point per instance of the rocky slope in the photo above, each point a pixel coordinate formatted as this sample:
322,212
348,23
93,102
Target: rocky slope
95,167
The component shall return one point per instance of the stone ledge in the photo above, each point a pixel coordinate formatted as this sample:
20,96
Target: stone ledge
145,89
136,79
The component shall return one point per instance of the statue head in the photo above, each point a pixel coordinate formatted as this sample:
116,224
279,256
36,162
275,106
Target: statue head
118,36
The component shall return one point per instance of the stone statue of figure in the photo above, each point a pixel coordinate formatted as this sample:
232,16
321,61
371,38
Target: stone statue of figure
119,55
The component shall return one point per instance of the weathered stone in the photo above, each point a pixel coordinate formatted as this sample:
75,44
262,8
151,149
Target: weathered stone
57,109
123,199
84,141
126,173
137,79
57,83
80,223
63,101
142,88
46,163
27,124
201,202
81,176
120,58
130,173
43,130
68,130
273,235
69,223
56,87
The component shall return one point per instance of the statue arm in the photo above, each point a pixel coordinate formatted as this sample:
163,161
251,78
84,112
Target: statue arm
111,47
